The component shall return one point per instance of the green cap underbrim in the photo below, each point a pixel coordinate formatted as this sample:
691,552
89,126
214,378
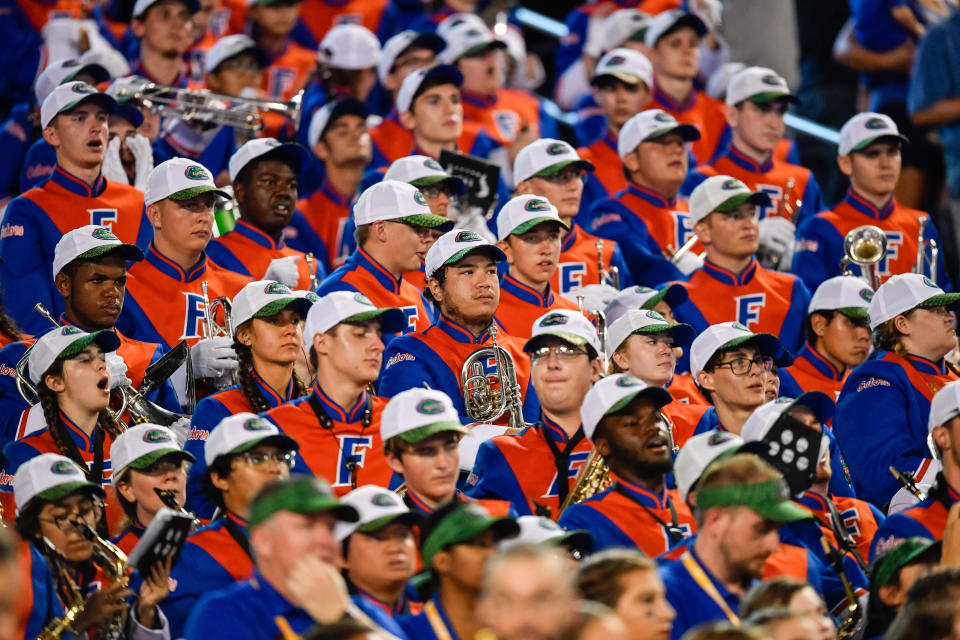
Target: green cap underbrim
660,396
902,555
523,227
422,433
570,338
430,221
767,343
305,505
490,250
409,518
276,440
459,527
869,141
683,334
768,499
101,99
674,291
105,338
940,300
452,182
280,304
193,192
771,96
146,460
482,48
686,131
129,252
857,313
556,168
732,204
65,489
392,319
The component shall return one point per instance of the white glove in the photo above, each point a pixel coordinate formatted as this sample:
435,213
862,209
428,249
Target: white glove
595,296
594,44
108,58
284,271
112,168
62,37
777,238
212,357
181,430
689,262
142,151
117,369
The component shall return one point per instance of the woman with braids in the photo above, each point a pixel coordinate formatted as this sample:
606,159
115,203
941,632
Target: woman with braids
888,396
8,328
267,321
69,370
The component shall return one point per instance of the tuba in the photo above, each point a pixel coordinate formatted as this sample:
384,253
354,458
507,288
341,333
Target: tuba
865,247
488,396
922,244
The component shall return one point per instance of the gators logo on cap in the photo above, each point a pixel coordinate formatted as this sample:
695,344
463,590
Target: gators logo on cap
70,331
102,233
771,80
272,142
473,33
63,467
719,437
740,326
311,296
629,381
71,63
553,319
467,236
362,299
430,407
653,315
616,61
257,424
537,204
430,163
277,288
733,184
83,87
663,116
548,524
866,294
556,149
784,400
382,500
419,199
153,436
196,172
642,289
875,123
930,283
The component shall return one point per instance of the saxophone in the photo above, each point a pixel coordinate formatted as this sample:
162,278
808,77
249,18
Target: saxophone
112,560
594,477
67,589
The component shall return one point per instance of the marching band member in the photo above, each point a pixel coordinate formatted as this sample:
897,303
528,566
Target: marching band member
403,54
535,469
394,225
164,30
551,169
648,219
290,63
338,423
267,318
74,121
622,418
869,154
243,454
146,458
264,174
731,284
838,338
528,230
461,270
891,393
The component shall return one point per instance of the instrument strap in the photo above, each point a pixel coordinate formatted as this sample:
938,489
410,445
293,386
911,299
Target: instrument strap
436,621
843,536
327,422
95,474
673,529
706,584
237,535
562,461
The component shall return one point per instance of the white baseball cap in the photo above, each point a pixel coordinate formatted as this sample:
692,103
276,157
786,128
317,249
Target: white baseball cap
73,94
613,393
141,445
395,200
667,21
720,79
945,405
864,129
329,113
378,507
567,325
646,321
49,476
758,85
422,171
65,342
91,241
649,125
229,47
546,157
179,179
624,25
348,306
763,417
524,212
538,530
410,87
457,19
409,39
416,414
264,298
253,149
349,46
724,194
454,246
728,335
627,65
66,70
903,292
638,297
698,453
468,40
848,294
141,6
241,432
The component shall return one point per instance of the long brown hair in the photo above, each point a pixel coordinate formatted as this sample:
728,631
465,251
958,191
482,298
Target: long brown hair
248,386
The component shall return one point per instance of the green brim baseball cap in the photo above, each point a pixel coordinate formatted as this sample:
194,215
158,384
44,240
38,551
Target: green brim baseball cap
673,294
903,554
411,518
857,313
65,489
770,499
766,343
891,137
422,433
129,252
278,440
939,300
523,227
554,169
193,192
461,524
658,395
686,131
305,496
299,304
451,182
754,197
146,460
430,221
490,250
392,319
106,339
771,96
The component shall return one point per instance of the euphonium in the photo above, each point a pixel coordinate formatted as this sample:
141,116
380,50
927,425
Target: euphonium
213,329
112,561
67,589
487,396
922,244
865,247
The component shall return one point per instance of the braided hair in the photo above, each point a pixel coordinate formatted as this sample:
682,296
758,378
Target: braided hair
248,386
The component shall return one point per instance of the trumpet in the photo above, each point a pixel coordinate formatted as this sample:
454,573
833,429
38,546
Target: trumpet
195,105
213,329
600,322
313,272
611,276
865,247
112,561
486,397
922,244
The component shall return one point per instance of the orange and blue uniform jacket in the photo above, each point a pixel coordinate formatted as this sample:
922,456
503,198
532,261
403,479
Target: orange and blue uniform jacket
578,262
861,519
347,453
820,240
35,222
37,602
496,508
391,141
384,615
765,301
432,623
322,15
683,389
888,398
702,111
520,306
38,165
319,223
810,371
771,177
435,357
248,251
607,176
506,112
181,316
288,71
628,515
685,419
809,533
644,223
926,519
527,468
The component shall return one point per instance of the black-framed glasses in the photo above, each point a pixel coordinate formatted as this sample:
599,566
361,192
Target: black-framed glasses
561,351
742,366
85,512
258,458
436,190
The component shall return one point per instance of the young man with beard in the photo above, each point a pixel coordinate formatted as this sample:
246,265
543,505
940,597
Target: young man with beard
165,31
622,417
741,504
264,174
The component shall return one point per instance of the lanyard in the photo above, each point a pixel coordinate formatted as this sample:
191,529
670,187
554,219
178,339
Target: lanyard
562,461
706,584
673,530
286,631
436,622
237,535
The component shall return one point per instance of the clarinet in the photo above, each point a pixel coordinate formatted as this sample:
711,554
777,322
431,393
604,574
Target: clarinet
169,499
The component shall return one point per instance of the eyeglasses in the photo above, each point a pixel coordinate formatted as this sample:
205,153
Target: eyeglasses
86,512
742,366
562,352
161,467
565,175
435,190
287,458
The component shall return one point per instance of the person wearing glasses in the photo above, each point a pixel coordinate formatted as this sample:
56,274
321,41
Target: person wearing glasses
243,453
889,396
553,170
536,468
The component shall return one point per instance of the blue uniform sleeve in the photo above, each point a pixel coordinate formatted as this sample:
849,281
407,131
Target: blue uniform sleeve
300,235
812,200
571,45
11,402
792,332
928,82
20,55
818,253
38,165
15,139
46,603
206,417
591,122
617,260
223,257
494,478
788,384
404,369
899,526
548,120
606,535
